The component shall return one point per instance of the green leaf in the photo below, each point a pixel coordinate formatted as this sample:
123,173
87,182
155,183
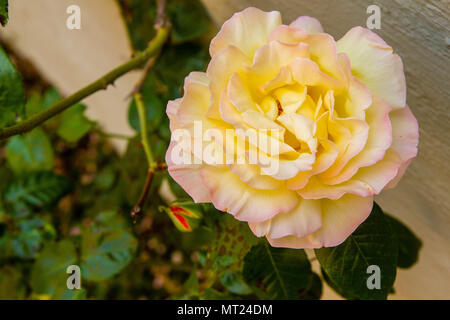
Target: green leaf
213,294
408,243
25,243
105,252
30,152
39,189
74,124
12,286
51,96
33,105
372,243
49,275
106,178
314,291
277,273
12,95
191,286
140,18
235,283
4,12
233,241
200,238
28,241
37,103
189,20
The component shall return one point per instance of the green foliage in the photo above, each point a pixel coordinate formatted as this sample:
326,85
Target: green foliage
36,190
31,234
408,243
31,152
189,20
213,294
233,240
105,251
26,240
34,104
12,284
51,96
12,95
4,12
235,283
48,276
372,243
74,124
278,273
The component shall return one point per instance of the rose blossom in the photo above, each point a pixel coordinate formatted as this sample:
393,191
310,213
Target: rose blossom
341,106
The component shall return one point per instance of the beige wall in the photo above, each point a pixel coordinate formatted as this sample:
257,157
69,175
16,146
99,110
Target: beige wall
417,30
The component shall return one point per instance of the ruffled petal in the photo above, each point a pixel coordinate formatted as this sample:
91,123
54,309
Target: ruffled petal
248,30
252,175
288,35
270,58
310,24
228,193
239,94
381,173
316,189
171,111
359,96
195,102
405,140
306,218
324,160
405,133
322,49
220,69
375,65
283,169
350,136
306,72
378,141
188,177
339,219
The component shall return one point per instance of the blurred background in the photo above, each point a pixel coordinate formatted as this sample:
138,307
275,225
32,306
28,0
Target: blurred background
107,166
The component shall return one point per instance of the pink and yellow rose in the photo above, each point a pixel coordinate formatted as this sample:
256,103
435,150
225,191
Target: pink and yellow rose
347,132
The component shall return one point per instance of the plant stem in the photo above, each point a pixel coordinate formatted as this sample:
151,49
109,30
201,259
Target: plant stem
137,209
100,84
160,22
143,123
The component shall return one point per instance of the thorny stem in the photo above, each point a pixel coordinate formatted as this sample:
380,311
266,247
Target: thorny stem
100,84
